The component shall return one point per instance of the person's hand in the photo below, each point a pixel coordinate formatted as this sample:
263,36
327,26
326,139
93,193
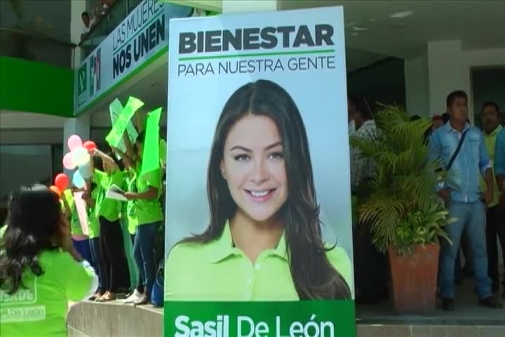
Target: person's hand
487,196
129,195
445,194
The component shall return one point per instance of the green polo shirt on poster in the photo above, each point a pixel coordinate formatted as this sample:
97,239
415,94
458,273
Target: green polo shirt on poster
490,142
149,211
218,271
110,209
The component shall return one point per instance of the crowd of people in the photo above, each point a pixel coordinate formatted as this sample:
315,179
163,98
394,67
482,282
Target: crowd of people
475,197
44,234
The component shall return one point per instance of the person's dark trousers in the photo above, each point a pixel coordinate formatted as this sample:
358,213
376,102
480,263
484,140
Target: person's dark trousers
143,252
495,229
96,254
140,281
114,261
370,267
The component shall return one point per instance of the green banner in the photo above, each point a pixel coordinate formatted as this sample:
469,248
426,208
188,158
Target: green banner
260,319
122,121
151,152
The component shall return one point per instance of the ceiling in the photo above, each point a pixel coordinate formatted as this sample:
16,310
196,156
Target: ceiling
371,35
370,27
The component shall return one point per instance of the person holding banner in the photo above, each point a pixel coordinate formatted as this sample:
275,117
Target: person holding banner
40,270
148,211
264,240
114,264
81,241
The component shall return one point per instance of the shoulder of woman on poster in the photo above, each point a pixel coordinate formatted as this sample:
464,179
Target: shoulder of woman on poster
264,240
35,248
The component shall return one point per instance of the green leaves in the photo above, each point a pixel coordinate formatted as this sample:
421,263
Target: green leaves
403,208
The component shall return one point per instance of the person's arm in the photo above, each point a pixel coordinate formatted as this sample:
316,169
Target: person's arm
130,152
154,184
499,165
107,161
80,280
485,166
128,161
434,152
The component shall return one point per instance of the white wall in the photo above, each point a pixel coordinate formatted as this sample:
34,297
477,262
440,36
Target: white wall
443,68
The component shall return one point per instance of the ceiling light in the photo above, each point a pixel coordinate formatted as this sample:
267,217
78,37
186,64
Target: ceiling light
401,15
354,34
350,24
360,29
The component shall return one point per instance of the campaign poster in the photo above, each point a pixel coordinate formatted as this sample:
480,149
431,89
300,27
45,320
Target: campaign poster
258,225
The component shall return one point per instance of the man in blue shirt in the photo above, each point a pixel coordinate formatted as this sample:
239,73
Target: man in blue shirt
499,165
463,198
499,169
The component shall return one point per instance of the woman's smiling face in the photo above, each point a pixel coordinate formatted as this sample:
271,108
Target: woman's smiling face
253,166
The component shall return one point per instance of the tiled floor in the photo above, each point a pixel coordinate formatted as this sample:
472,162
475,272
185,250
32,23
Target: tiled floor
469,320
467,312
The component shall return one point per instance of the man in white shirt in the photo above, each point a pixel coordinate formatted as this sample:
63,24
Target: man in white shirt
87,25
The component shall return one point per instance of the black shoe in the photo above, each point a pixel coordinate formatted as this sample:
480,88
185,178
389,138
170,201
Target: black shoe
448,304
491,302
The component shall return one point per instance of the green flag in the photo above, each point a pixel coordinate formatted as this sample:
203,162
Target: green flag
122,121
151,154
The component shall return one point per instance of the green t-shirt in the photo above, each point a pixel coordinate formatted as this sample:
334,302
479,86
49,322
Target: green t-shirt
110,209
75,224
40,307
93,224
131,207
149,211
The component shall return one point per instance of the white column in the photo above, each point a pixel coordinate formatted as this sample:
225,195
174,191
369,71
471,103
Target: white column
446,72
433,75
417,86
79,126
76,25
234,6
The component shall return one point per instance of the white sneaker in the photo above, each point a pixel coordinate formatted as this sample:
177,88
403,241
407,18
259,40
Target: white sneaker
133,297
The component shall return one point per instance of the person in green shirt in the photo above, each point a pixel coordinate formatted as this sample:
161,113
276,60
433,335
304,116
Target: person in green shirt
495,216
108,211
94,239
35,248
264,240
81,241
149,216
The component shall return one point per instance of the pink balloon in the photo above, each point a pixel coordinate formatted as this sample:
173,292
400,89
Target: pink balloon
74,142
68,161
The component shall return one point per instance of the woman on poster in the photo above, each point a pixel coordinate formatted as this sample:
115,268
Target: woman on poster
264,240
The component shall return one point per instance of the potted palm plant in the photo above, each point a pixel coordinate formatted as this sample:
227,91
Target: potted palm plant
407,219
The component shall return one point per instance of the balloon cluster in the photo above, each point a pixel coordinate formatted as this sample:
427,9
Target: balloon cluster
79,157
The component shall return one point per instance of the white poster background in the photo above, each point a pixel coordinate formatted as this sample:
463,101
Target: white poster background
195,103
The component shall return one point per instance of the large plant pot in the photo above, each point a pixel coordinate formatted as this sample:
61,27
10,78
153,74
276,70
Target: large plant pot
414,279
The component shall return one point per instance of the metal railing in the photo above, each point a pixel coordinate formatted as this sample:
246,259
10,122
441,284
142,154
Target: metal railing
106,23
35,47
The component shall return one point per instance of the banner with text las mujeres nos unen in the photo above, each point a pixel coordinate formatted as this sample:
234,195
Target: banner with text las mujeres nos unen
142,34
